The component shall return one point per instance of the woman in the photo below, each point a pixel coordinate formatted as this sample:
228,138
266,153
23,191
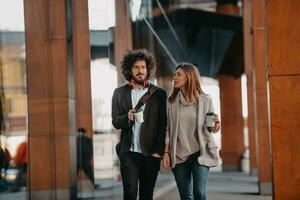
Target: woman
190,148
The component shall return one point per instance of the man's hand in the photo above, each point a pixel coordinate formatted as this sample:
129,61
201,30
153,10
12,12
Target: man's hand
156,155
130,114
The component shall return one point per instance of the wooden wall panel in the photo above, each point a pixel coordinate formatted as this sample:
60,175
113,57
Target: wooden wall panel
285,109
249,70
122,35
81,61
232,122
48,99
41,160
59,83
284,36
262,123
284,62
231,111
261,97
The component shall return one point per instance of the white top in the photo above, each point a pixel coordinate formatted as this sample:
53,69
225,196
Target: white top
136,94
187,138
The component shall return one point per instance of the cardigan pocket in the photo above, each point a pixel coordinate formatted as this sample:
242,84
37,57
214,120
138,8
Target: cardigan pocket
212,150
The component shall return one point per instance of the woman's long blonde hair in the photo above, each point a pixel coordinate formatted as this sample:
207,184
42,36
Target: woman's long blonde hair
192,86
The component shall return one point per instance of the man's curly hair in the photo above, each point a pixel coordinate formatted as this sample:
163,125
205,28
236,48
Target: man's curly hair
135,55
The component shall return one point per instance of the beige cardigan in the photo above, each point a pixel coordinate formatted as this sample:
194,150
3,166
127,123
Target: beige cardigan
209,151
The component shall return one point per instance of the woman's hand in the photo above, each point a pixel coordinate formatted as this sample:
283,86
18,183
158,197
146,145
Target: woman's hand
166,161
217,126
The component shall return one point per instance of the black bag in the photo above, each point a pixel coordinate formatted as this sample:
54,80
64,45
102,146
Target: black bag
118,149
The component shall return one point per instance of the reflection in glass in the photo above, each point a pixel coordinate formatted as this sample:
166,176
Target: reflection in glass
135,6
13,100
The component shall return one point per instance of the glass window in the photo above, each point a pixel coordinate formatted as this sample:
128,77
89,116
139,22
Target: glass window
13,94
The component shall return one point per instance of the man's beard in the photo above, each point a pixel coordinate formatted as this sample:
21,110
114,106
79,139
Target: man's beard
139,81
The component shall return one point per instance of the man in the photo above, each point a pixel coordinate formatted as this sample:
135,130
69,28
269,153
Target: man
85,154
142,144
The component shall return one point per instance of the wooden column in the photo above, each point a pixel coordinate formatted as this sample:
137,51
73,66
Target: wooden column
81,61
231,111
59,93
232,122
262,119
49,103
248,63
83,96
123,35
283,31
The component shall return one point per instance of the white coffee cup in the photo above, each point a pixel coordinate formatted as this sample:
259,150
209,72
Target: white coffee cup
139,116
210,120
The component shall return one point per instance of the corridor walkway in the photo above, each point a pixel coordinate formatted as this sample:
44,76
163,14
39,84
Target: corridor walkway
222,186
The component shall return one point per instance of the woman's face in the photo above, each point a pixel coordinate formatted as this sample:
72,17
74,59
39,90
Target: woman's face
180,79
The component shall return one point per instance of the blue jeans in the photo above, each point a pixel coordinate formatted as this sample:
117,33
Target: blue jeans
183,174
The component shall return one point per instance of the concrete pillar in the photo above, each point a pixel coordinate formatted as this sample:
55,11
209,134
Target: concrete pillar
231,110
283,37
262,118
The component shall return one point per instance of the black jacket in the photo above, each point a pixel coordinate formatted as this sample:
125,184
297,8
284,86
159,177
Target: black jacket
153,130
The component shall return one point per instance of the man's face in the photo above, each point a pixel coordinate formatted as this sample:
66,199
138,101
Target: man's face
139,71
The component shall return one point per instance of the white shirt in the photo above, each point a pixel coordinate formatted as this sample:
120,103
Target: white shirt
136,94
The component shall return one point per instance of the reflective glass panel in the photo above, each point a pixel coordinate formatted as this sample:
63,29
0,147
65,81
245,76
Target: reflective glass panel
13,94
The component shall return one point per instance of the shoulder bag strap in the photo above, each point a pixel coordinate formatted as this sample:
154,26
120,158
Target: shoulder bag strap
146,97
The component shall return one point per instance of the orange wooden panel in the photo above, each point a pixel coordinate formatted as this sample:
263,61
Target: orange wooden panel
58,69
42,163
61,117
37,67
285,124
37,49
248,63
122,35
57,21
247,24
231,120
80,16
37,19
48,101
40,114
231,108
228,9
62,164
260,88
81,60
45,48
283,36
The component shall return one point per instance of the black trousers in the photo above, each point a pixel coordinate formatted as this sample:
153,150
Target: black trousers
88,170
137,169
